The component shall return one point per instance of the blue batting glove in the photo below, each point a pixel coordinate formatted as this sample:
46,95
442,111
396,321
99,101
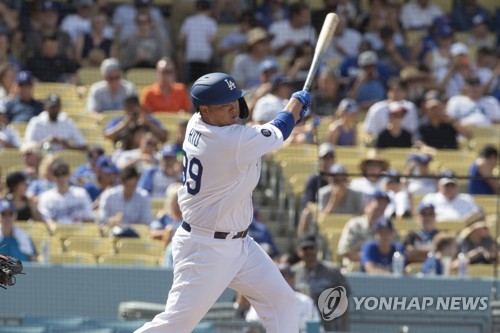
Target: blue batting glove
305,99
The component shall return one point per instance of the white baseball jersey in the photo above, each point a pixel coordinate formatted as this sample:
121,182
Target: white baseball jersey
221,167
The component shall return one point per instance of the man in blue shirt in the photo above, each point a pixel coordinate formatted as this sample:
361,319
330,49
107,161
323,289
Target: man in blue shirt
24,106
14,241
376,255
260,233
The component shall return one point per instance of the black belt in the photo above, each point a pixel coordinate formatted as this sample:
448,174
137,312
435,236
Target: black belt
217,234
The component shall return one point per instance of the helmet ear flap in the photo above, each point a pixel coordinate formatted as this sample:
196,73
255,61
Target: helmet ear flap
244,111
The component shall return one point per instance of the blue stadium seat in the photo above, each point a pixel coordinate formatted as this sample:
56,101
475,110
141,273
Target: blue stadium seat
23,329
69,322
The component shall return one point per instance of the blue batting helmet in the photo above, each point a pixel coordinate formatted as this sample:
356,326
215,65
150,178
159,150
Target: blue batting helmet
217,89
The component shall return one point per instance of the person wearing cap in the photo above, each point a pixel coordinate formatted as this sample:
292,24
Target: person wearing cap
125,13
305,307
479,35
477,243
45,179
106,174
49,26
55,128
291,32
394,136
416,82
418,165
437,55
31,154
482,172
400,205
462,16
196,46
125,204
86,172
326,156
376,254
418,243
156,179
450,205
24,106
17,185
247,66
372,168
326,97
65,203
444,245
361,228
419,14
271,11
472,107
143,157
440,130
110,93
9,136
165,95
343,130
14,241
337,197
313,276
378,114
266,108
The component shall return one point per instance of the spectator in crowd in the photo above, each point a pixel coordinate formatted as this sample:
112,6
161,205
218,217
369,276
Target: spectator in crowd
345,42
360,229
313,276
166,95
376,254
368,87
9,136
79,22
246,65
393,56
479,35
14,241
93,47
438,55
292,32
157,179
416,83
271,11
46,179
17,184
268,106
486,69
473,108
228,11
418,165
110,93
449,203
49,26
9,18
235,42
169,218
6,56
86,172
121,129
180,135
32,156
261,234
337,197
428,42
395,136
372,168
55,128
197,42
445,248
477,243
49,65
440,130
482,172
267,69
298,67
343,131
146,47
64,204
142,157
326,98
24,106
400,205
418,243
305,306
105,178
452,79
378,114
8,86
464,12
125,204
326,155
379,19
419,14
124,19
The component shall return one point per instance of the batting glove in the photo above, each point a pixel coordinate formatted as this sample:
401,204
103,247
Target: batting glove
305,99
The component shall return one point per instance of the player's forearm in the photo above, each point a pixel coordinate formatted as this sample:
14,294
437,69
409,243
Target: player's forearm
294,106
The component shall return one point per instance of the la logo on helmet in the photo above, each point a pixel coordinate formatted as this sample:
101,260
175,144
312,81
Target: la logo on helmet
230,84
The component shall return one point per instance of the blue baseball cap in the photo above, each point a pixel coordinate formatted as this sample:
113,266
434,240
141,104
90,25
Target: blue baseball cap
6,205
50,6
444,30
425,205
105,164
383,223
348,105
268,64
168,151
379,194
24,77
420,158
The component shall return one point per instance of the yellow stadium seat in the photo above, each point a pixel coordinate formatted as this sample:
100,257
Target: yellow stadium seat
284,62
489,203
490,5
88,75
224,29
142,230
9,158
141,76
35,229
74,158
453,227
54,243
332,238
298,182
445,5
157,204
20,127
140,246
129,259
414,268
413,36
76,230
481,270
333,222
66,91
73,258
93,245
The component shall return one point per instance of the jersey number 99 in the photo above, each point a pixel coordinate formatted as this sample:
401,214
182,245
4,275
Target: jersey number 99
192,171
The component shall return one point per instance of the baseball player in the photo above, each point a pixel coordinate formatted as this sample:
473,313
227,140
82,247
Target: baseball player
211,249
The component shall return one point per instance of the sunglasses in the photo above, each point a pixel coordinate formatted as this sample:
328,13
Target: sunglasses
7,213
114,78
474,83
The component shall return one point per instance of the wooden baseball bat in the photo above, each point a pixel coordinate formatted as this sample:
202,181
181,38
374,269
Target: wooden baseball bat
324,39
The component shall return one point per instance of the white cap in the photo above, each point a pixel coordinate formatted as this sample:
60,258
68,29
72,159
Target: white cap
109,65
325,148
367,58
266,110
458,49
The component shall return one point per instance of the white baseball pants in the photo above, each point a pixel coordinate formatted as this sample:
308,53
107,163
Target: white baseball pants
204,267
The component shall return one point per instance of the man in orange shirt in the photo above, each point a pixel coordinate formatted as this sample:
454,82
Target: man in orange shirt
165,95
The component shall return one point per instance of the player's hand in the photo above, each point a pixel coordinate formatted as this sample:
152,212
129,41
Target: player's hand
305,99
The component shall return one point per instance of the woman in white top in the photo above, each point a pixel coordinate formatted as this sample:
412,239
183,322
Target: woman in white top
439,57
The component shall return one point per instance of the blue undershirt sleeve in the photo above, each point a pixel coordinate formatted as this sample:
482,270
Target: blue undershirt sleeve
285,122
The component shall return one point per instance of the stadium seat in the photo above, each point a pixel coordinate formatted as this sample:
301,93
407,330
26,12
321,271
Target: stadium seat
333,222
88,75
140,246
91,245
481,270
20,127
445,5
23,329
141,76
157,204
489,203
69,322
413,36
74,158
490,5
73,230
224,29
34,228
55,244
129,259
414,268
141,229
9,158
73,258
